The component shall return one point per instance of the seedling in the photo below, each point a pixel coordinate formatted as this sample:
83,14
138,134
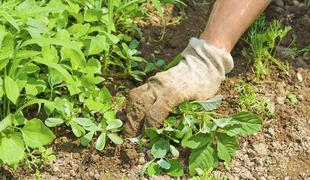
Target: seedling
263,40
211,137
250,101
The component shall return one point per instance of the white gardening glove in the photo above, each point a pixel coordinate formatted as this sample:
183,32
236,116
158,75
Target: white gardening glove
197,77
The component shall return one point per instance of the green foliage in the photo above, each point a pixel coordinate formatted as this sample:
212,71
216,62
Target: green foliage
54,56
211,137
263,39
250,101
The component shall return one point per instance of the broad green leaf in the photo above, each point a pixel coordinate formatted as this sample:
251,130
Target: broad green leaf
244,124
93,66
85,140
212,103
19,118
30,68
115,138
111,39
50,53
153,169
105,95
151,133
11,89
114,124
223,122
84,122
198,140
53,41
163,164
36,134
160,149
101,141
79,30
92,15
201,158
21,80
226,146
35,86
7,121
97,45
12,149
176,169
7,50
53,122
77,60
77,130
96,106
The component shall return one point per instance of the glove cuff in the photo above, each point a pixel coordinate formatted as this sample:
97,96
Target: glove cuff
208,52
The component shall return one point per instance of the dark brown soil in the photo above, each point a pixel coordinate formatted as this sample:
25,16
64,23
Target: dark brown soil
280,151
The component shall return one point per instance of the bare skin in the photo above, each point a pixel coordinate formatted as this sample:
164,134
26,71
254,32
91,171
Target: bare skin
199,75
229,19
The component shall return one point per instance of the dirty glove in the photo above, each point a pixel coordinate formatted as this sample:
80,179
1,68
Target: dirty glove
197,77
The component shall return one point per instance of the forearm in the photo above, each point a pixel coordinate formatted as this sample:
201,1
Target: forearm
229,19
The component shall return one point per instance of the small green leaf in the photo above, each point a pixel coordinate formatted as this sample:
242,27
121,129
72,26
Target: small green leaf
36,134
153,169
160,149
212,103
101,141
114,124
115,138
176,169
9,19
85,140
11,89
92,15
7,121
12,149
77,130
97,44
174,151
163,164
198,140
53,122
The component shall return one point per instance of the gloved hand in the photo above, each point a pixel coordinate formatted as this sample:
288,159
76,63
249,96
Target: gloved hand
197,77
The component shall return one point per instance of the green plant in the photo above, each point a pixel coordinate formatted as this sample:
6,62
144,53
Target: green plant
291,97
248,99
54,58
307,2
211,137
263,40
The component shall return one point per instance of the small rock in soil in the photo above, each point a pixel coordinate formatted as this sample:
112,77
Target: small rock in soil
306,56
260,148
97,176
281,100
299,77
279,3
141,160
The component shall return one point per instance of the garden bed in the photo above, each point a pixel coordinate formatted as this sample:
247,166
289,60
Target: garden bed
280,150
